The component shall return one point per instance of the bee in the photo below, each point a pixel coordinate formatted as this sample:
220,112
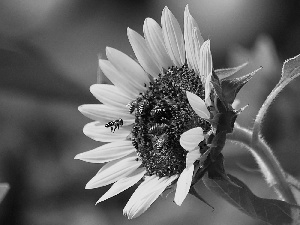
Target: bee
157,128
156,111
134,143
114,124
132,105
142,106
161,141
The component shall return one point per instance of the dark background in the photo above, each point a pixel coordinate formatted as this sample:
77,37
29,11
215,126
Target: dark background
48,60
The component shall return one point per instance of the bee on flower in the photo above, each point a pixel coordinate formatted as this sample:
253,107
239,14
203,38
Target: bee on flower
169,111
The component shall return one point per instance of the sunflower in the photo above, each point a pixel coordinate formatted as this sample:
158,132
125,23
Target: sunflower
158,116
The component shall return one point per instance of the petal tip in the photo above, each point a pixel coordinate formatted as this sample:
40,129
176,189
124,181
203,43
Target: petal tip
78,156
129,30
187,8
80,108
89,185
109,50
100,200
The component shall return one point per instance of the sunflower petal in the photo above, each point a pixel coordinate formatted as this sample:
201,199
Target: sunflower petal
129,68
173,37
142,53
113,171
98,132
154,38
118,79
100,112
208,88
205,60
193,40
190,139
192,156
183,184
107,152
110,95
123,184
198,105
141,199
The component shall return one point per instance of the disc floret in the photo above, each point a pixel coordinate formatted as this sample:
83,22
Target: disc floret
162,114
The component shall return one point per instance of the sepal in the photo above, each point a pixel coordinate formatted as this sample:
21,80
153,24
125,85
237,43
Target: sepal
227,72
226,121
217,145
216,170
220,103
230,87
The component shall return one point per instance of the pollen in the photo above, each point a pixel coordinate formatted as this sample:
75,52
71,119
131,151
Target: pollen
162,114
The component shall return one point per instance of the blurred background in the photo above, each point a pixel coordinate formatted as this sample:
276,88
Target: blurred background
48,60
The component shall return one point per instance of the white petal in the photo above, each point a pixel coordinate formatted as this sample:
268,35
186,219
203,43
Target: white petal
208,88
110,95
98,132
144,189
236,103
173,37
190,139
118,79
107,152
123,184
205,60
100,112
198,105
197,39
192,41
183,184
130,69
142,53
145,195
154,38
192,156
113,171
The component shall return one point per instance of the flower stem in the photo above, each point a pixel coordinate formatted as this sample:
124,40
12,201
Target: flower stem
263,110
269,165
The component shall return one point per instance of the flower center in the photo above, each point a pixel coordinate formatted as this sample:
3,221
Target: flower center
162,114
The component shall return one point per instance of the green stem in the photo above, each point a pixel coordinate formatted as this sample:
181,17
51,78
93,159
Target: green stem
269,165
263,110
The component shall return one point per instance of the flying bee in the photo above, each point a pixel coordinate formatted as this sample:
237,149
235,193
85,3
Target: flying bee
157,128
161,141
114,124
132,105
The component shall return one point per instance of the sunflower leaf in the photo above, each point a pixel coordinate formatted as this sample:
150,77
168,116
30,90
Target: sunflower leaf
271,211
291,69
4,187
195,193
